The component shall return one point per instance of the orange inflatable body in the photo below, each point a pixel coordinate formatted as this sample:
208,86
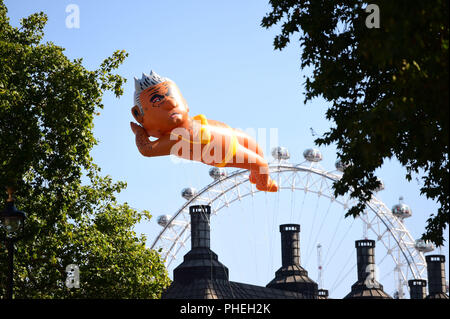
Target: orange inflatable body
163,113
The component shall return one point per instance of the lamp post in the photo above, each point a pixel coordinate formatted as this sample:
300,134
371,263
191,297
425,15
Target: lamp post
11,229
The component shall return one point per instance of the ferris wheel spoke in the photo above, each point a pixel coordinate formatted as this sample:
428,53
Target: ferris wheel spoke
292,199
387,275
311,228
324,218
341,241
334,235
383,259
339,280
299,218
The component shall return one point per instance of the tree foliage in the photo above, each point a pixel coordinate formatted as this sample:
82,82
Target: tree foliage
47,107
388,88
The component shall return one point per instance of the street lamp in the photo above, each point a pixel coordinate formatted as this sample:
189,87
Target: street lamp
11,229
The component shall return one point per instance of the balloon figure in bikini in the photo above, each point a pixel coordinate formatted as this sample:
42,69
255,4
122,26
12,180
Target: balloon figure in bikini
163,113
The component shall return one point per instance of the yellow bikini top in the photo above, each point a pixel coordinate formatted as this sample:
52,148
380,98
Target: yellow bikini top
205,133
205,138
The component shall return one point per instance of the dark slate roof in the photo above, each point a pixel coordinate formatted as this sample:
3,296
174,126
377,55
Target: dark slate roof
223,289
200,263
257,292
440,295
361,291
199,289
294,278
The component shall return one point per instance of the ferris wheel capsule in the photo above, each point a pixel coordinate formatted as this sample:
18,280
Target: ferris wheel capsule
188,193
163,220
401,210
424,246
340,165
312,155
217,173
280,153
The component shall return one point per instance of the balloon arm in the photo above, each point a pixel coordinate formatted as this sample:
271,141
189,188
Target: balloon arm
160,147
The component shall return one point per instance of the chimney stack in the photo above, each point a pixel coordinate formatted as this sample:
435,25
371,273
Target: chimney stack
436,277
290,244
200,229
200,263
322,294
417,288
291,276
365,257
367,287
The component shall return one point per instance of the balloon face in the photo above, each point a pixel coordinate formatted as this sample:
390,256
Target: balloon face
164,108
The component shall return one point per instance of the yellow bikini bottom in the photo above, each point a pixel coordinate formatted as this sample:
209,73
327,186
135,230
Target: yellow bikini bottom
205,138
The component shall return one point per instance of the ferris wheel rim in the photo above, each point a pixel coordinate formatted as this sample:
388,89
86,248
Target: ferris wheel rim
410,254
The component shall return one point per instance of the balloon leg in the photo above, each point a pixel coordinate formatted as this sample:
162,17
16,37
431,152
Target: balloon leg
259,169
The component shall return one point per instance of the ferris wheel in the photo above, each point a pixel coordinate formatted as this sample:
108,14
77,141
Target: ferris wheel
395,244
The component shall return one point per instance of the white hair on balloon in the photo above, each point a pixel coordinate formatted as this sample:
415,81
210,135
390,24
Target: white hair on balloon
143,83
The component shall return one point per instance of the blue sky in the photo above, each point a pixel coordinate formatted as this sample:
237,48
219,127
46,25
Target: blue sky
226,68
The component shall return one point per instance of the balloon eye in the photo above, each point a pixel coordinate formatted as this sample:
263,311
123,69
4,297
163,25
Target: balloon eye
136,113
156,98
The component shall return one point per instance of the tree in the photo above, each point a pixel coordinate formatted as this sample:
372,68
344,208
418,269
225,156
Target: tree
388,88
47,107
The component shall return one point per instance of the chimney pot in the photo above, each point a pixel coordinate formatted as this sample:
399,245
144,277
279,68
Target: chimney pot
417,288
200,226
436,274
365,257
290,244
